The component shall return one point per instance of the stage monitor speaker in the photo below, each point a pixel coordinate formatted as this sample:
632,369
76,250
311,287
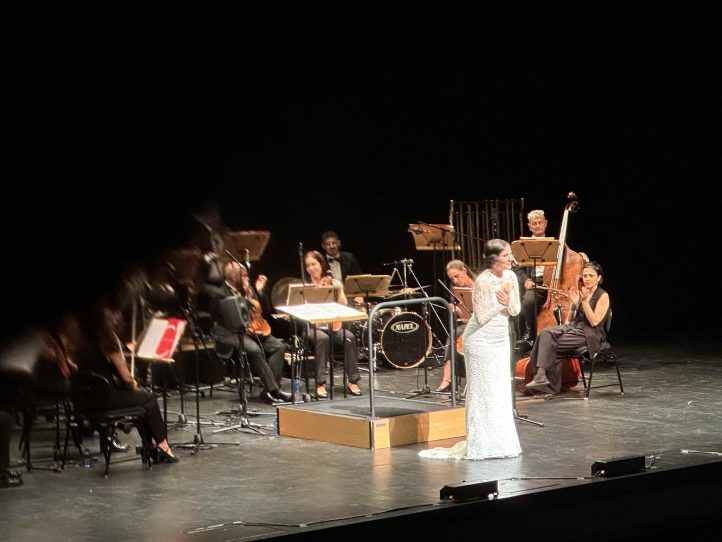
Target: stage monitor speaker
468,491
234,312
618,466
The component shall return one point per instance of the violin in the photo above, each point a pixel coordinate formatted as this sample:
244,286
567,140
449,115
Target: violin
258,325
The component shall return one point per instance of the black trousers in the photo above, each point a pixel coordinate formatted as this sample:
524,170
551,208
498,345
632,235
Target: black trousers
553,344
120,398
265,356
320,338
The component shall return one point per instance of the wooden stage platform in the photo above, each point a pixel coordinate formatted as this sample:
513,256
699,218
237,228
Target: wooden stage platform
398,422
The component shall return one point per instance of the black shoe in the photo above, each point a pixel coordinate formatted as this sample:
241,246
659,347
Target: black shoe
117,446
10,479
281,395
266,397
165,457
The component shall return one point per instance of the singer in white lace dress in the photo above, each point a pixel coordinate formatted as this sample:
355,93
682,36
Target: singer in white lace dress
490,426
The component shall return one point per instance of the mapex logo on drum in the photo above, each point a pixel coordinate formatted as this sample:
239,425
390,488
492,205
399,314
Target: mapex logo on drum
405,326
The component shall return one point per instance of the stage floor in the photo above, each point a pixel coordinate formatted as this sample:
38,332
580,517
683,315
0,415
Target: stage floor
253,484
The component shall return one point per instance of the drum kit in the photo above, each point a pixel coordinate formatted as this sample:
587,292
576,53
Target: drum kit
402,338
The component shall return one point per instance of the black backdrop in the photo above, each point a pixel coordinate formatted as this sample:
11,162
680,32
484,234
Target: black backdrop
363,121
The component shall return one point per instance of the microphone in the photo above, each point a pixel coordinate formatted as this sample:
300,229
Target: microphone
248,260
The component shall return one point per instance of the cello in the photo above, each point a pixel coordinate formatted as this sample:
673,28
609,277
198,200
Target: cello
567,272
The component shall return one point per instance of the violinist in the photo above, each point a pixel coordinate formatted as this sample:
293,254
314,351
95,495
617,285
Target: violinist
264,351
461,277
585,327
319,274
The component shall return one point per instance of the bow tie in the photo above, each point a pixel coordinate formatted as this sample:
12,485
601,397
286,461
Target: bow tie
333,259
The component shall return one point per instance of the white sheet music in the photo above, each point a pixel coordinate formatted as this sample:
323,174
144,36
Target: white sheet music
161,339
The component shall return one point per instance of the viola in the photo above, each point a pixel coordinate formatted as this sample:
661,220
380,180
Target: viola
258,325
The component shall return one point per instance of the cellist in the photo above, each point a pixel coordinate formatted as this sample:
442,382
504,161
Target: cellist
584,327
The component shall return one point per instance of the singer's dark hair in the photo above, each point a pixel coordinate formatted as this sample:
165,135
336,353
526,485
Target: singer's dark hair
316,255
492,249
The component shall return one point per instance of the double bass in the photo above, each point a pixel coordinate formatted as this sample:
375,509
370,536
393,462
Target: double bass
567,272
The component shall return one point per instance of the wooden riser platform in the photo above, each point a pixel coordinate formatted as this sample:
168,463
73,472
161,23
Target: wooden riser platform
347,421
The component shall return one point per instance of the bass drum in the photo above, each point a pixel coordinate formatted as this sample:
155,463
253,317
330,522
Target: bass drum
404,338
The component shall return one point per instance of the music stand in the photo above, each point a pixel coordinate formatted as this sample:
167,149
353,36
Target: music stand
323,313
247,246
532,251
433,236
300,294
464,295
367,285
158,344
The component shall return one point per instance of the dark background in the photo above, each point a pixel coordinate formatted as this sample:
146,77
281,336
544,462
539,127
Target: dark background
362,121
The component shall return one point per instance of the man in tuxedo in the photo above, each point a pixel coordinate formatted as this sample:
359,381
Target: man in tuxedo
341,263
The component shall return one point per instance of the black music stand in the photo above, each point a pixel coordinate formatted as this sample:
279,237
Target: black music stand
532,251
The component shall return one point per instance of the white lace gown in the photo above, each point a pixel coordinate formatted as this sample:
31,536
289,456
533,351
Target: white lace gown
490,426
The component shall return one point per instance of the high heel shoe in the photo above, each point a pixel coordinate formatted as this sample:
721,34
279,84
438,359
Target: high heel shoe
443,387
161,456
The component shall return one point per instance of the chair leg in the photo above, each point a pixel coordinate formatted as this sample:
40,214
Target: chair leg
619,376
589,381
106,436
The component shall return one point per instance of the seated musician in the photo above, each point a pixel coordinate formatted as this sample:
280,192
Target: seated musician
320,275
530,277
100,350
461,277
585,327
264,351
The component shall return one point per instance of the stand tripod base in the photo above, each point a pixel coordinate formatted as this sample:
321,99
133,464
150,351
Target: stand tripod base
525,418
196,445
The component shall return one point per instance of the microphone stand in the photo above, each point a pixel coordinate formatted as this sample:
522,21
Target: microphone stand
426,389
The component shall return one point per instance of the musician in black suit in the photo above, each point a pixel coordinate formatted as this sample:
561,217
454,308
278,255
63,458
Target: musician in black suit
341,263
530,278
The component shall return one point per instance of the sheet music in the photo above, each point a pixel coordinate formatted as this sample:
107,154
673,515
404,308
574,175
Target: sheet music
161,339
323,312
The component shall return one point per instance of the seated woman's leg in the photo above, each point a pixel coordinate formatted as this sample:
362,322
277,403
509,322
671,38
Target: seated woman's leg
344,338
549,348
322,349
